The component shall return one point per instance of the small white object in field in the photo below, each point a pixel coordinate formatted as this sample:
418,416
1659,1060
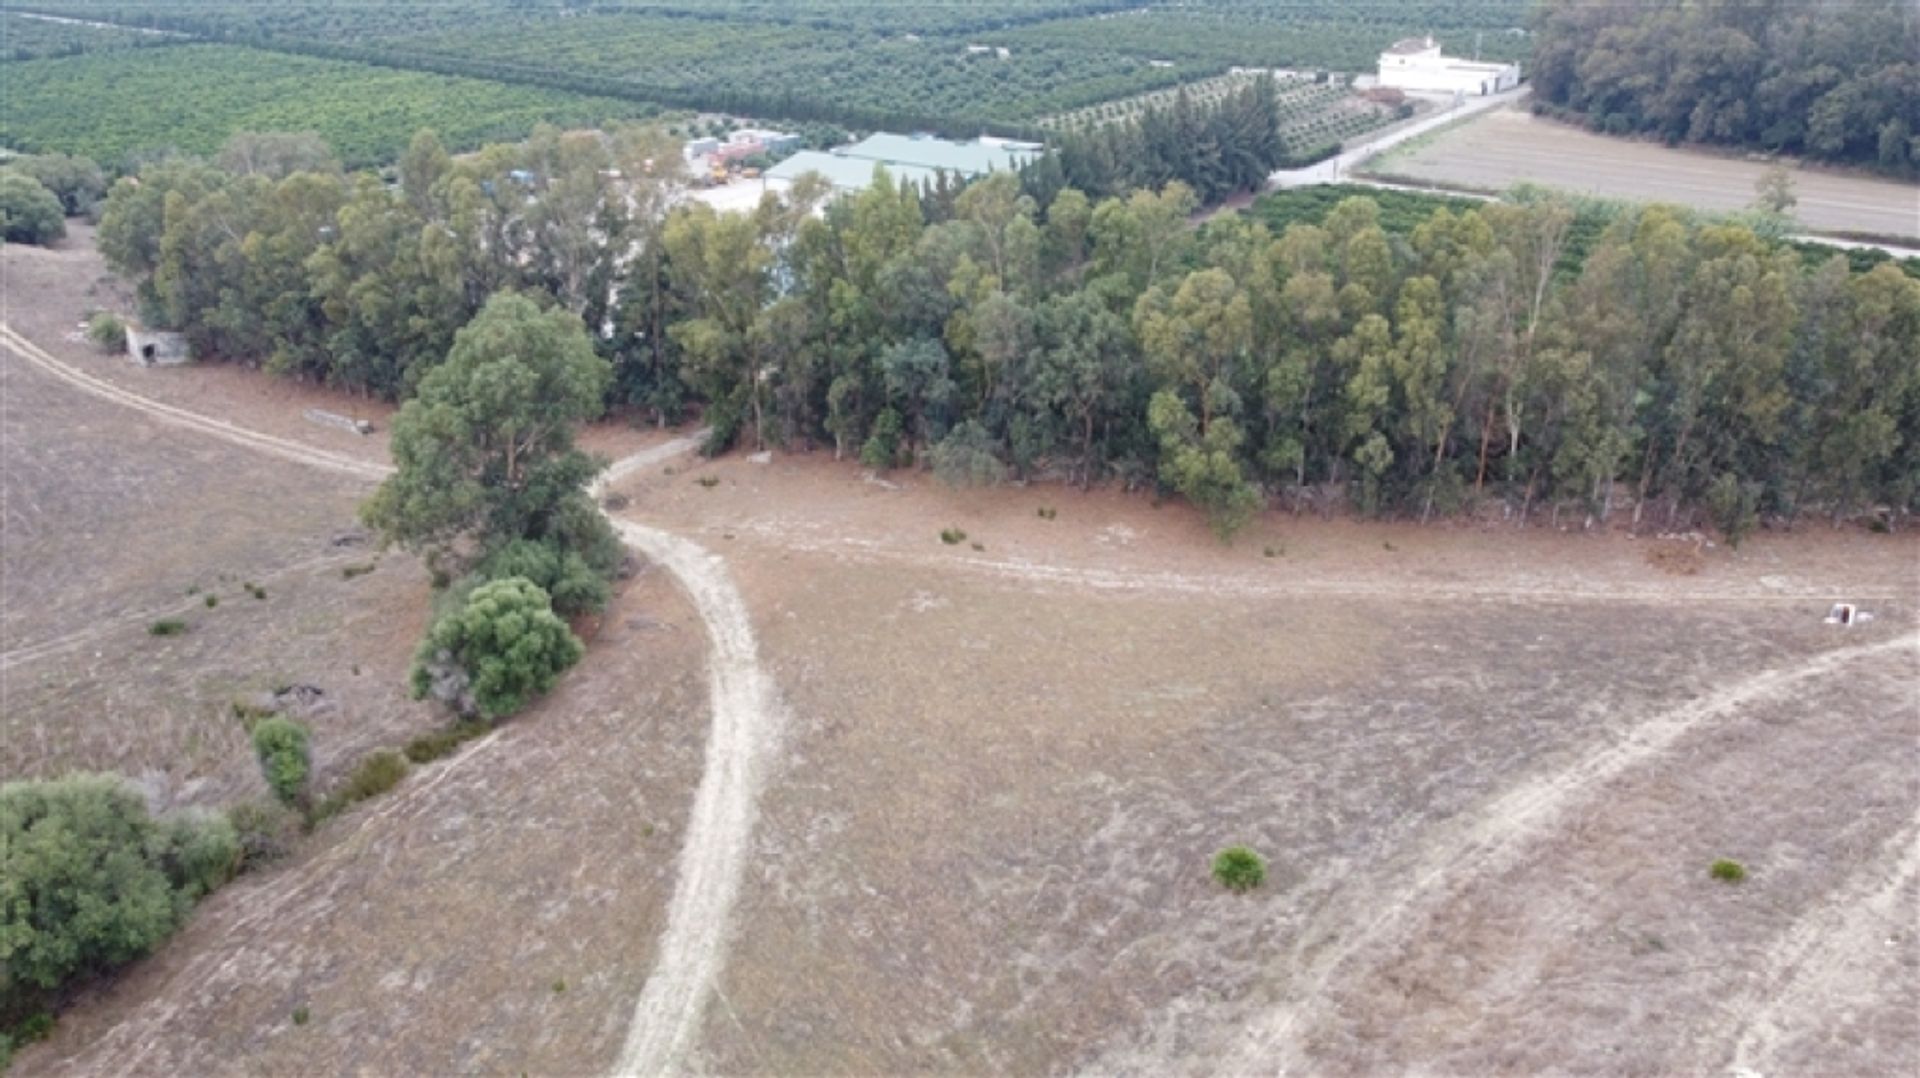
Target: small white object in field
1847,614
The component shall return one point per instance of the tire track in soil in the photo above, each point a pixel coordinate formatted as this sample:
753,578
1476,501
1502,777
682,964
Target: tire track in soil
1847,931
1486,844
745,725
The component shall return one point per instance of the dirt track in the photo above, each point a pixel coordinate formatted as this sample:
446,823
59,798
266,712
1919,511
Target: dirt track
745,726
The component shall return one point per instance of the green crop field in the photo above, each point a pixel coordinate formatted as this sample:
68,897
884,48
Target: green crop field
193,97
1314,115
25,38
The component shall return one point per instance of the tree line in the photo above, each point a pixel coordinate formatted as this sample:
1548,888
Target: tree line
1685,366
1836,82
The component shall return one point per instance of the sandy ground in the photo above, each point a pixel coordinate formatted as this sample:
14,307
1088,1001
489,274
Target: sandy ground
986,846
1509,146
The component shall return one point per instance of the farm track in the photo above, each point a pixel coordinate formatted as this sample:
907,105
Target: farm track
667,1016
1407,894
1844,934
1663,593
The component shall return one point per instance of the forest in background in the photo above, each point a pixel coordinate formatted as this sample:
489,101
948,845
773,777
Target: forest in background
1836,82
1682,365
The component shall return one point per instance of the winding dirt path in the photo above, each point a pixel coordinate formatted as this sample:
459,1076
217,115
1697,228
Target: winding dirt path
745,727
1487,843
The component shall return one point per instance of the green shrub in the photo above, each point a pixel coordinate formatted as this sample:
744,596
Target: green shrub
708,481
35,1027
285,757
569,581
29,213
503,647
1730,871
212,601
90,881
265,830
351,571
952,536
167,627
379,772
432,746
301,1015
882,447
969,457
107,332
1239,869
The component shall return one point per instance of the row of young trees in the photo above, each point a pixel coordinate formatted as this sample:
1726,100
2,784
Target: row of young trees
1686,364
1838,82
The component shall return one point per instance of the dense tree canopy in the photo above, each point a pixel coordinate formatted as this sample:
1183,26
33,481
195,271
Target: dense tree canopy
1407,355
1838,82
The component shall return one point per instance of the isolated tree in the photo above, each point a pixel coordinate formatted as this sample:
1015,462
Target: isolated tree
29,213
1774,193
501,648
484,454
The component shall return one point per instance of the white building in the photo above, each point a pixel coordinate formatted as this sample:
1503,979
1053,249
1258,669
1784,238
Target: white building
1415,65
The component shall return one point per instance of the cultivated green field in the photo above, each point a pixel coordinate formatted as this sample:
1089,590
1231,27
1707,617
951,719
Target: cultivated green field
193,97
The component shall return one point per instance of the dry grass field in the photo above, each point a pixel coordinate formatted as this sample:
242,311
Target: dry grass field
986,849
1489,767
1508,146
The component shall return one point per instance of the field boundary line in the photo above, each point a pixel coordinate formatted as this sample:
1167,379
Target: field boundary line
743,729
1493,836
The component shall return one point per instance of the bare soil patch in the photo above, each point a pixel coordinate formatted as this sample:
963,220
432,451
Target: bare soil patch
1509,146
987,848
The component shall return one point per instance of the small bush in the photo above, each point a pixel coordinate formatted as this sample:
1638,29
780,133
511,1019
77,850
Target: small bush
212,601
1239,869
559,987
430,747
35,1027
257,592
266,830
167,627
708,481
1730,871
285,758
952,536
351,571
378,772
107,332
301,1015
1047,512
501,648
979,546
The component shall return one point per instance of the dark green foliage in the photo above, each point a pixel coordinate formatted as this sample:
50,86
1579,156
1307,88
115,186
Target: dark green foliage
500,649
285,757
29,213
109,107
211,601
1239,869
574,586
301,1015
952,536
349,572
1835,82
167,627
1728,871
88,881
